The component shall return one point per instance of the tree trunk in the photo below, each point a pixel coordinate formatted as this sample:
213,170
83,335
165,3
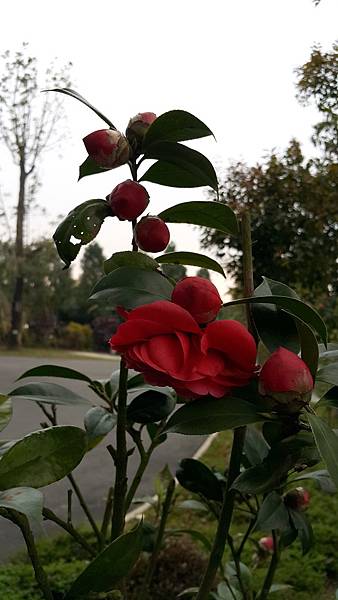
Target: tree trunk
15,338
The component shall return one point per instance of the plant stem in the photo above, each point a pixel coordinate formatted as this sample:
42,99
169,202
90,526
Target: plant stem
245,592
144,460
159,539
225,516
51,516
107,513
248,283
22,522
272,569
85,508
121,461
245,537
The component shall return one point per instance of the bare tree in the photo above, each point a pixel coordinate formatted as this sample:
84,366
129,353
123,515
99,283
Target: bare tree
29,125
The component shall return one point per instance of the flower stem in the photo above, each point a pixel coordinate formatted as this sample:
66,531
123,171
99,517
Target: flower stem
272,569
225,516
121,461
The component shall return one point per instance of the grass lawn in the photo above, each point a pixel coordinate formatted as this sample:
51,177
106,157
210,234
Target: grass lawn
56,353
313,577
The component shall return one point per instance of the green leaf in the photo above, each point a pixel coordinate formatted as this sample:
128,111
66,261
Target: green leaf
196,477
329,374
189,168
190,258
280,587
109,567
48,393
42,457
309,347
129,258
69,92
303,526
205,213
98,422
272,514
5,411
327,444
292,306
55,371
321,478
130,287
25,500
90,167
255,446
193,505
80,227
150,406
209,415
175,126
274,326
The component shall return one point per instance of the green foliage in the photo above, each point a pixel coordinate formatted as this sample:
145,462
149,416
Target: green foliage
75,336
293,213
175,271
317,83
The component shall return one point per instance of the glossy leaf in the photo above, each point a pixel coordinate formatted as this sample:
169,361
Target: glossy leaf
196,477
321,478
5,411
150,406
205,213
69,92
90,167
193,168
55,371
294,307
25,500
175,126
196,535
130,287
274,326
309,347
209,415
193,505
42,457
327,444
98,422
80,227
48,393
255,446
272,514
190,258
129,258
329,374
109,567
303,526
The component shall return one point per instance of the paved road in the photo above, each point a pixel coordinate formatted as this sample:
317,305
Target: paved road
96,470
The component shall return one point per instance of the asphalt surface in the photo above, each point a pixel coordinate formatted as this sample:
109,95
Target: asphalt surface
96,472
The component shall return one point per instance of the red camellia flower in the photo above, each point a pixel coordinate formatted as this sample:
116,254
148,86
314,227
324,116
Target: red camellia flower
199,297
108,148
165,343
286,379
128,200
266,543
152,234
299,498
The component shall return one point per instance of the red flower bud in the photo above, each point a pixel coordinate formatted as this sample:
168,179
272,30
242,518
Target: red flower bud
299,498
266,544
137,128
199,297
128,200
286,379
108,148
152,234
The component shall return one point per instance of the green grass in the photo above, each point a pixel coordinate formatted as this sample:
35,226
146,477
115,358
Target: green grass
313,577
55,353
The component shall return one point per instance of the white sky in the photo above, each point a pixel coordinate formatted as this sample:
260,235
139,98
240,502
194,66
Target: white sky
229,62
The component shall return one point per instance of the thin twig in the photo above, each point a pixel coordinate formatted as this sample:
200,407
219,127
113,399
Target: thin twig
51,516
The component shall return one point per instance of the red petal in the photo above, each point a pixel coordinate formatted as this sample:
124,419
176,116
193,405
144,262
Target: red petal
233,340
171,316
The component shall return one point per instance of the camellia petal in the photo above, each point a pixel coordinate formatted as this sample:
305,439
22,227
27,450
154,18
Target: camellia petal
233,340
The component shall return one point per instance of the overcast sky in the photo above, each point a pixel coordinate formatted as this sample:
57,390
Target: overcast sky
230,62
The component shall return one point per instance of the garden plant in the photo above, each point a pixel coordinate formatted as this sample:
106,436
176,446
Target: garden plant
185,368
